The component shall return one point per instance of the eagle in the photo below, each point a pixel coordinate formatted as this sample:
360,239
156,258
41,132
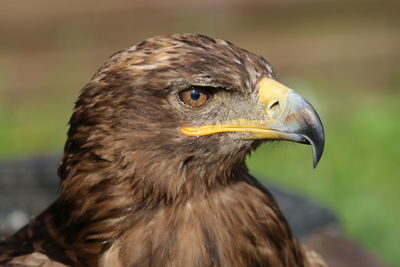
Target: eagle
154,172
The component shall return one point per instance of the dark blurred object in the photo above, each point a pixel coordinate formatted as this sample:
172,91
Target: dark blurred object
338,250
29,185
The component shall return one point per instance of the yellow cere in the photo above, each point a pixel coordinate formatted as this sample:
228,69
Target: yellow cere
270,92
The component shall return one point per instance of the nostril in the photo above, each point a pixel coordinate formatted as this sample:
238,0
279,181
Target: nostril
275,106
273,109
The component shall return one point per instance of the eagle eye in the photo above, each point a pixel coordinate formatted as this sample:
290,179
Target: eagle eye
194,96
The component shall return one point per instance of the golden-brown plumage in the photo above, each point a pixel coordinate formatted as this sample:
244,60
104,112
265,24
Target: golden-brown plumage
136,191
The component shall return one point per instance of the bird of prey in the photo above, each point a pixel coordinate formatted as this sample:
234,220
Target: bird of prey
154,171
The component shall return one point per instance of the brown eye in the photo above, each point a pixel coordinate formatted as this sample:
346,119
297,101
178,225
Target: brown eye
194,97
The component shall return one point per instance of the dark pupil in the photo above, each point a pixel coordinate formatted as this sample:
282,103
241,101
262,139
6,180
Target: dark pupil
195,95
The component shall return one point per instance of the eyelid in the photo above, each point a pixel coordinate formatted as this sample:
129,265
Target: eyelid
206,88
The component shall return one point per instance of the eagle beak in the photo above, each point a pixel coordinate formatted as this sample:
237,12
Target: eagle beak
287,116
291,116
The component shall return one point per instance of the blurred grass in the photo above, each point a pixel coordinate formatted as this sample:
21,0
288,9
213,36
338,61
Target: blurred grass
342,56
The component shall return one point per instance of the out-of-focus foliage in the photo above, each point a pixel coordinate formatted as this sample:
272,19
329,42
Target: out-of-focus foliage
342,55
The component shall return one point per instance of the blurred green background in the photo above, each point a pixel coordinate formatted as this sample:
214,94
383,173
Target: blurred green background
341,55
